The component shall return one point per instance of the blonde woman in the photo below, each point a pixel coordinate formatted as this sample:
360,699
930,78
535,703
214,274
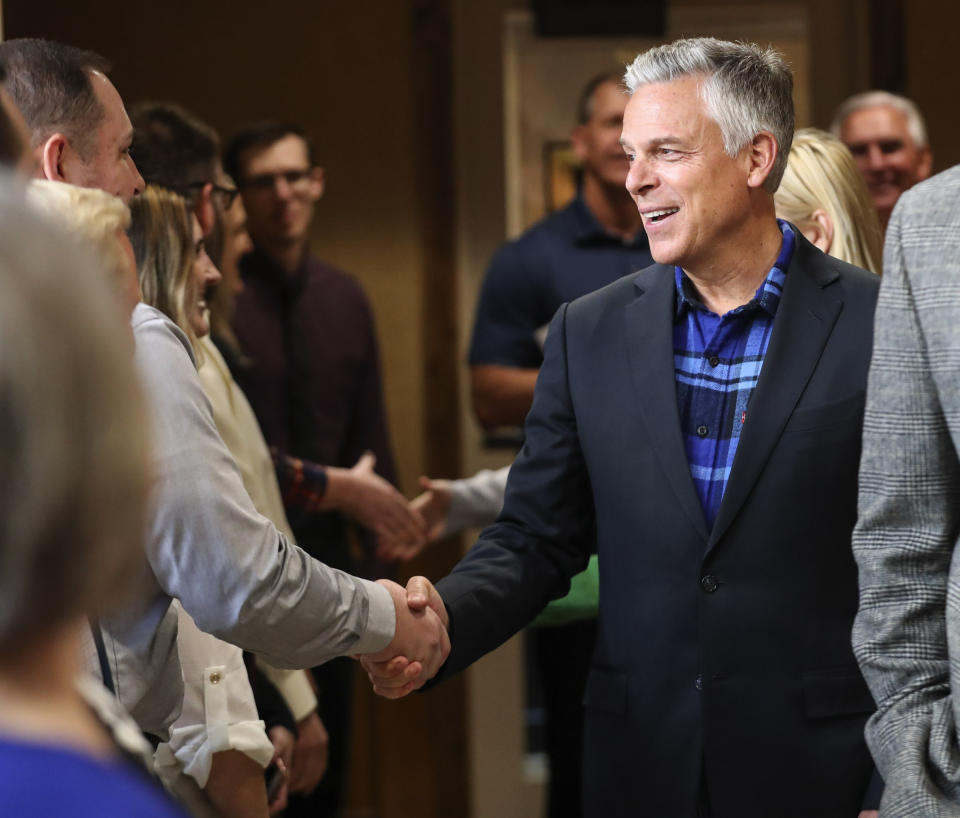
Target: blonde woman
218,742
823,194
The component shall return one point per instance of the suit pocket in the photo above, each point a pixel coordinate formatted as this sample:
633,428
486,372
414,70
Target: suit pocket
831,693
606,690
827,415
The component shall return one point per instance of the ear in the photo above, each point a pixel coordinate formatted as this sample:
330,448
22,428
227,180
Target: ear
924,163
578,140
761,152
819,230
203,208
52,156
317,182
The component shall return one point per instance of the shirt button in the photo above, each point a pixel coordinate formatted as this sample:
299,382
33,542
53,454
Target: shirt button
714,360
699,682
215,677
702,430
709,583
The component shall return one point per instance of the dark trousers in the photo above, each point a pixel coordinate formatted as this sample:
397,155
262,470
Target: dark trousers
335,695
563,658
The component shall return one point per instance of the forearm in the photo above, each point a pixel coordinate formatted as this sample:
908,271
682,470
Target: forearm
502,395
236,785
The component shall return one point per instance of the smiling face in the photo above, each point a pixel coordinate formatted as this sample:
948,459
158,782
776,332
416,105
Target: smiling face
888,158
203,278
279,189
693,197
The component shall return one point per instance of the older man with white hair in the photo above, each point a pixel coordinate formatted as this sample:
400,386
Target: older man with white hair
699,424
888,138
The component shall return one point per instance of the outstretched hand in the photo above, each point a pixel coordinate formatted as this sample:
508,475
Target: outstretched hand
420,645
432,506
365,496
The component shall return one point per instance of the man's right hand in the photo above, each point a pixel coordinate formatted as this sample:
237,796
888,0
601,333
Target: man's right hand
420,645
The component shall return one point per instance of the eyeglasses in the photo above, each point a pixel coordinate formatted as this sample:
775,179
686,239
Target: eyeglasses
298,180
227,194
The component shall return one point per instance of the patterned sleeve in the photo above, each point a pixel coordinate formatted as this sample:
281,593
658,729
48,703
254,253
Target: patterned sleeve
906,631
302,484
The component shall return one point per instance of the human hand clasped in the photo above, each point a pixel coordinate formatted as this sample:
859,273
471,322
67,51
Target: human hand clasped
420,645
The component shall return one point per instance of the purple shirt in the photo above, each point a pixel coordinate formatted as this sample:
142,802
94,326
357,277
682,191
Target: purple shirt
313,376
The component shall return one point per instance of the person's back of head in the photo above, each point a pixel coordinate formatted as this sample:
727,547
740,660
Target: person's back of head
73,475
173,148
99,220
823,194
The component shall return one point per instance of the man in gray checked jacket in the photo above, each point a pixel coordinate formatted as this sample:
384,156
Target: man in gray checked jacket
907,632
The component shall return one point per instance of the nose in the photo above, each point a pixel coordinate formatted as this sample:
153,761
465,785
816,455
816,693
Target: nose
282,188
639,178
213,274
138,183
875,157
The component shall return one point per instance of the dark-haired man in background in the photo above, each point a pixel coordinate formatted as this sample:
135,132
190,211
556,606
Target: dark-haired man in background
313,377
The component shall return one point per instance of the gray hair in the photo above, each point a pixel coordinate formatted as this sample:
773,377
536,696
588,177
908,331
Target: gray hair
746,89
74,471
916,127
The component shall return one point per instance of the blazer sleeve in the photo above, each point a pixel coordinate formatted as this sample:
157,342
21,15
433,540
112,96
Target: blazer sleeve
544,533
907,629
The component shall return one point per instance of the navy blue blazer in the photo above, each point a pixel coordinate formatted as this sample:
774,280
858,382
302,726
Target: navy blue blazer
726,650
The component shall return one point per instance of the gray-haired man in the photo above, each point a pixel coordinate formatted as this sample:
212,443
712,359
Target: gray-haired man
700,422
888,138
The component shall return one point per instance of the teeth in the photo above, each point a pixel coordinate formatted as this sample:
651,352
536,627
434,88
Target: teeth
656,214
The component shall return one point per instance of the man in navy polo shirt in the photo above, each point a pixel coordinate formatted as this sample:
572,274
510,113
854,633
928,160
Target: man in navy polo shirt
593,241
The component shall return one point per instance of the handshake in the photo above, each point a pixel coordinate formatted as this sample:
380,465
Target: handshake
420,644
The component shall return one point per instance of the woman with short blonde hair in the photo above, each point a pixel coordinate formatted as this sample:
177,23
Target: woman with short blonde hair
823,194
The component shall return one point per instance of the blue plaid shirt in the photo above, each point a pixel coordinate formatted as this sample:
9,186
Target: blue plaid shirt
717,361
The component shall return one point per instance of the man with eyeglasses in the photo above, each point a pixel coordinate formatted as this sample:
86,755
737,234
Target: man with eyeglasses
313,373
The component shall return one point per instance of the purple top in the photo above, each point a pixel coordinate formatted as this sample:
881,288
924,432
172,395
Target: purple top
314,375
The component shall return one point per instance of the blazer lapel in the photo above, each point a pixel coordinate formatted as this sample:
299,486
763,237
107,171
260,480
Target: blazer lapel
649,334
805,318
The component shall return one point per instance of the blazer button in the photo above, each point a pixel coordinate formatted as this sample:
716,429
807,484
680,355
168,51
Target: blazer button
709,583
699,682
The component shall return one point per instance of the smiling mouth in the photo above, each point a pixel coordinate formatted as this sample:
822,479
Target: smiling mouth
657,216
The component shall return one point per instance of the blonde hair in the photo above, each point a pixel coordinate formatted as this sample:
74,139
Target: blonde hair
92,215
822,175
161,232
74,470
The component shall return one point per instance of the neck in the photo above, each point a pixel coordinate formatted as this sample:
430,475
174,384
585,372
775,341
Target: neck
287,255
38,700
612,206
731,276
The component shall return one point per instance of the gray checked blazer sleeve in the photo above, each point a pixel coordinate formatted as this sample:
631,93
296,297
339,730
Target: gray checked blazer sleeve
907,631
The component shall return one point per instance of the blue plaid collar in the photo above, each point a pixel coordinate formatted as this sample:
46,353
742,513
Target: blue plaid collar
767,296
